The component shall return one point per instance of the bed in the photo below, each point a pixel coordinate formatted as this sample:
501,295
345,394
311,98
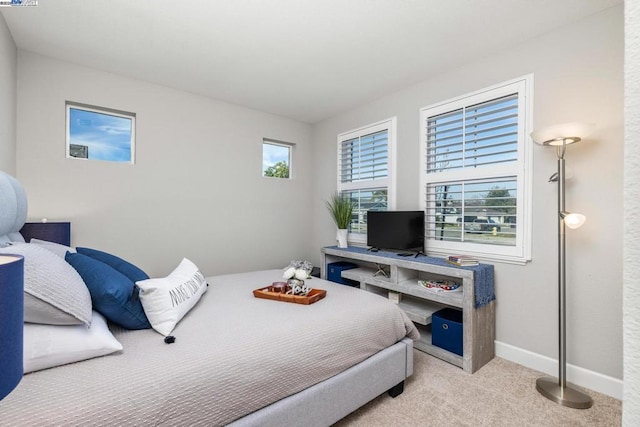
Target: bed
236,360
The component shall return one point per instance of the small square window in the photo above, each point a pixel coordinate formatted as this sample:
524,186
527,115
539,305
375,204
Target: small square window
276,158
97,133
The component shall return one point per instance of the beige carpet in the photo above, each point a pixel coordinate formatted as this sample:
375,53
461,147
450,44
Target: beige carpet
501,393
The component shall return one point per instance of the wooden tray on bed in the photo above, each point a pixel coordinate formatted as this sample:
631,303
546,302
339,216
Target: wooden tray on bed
315,295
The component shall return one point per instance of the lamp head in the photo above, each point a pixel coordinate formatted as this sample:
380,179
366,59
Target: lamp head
573,220
562,134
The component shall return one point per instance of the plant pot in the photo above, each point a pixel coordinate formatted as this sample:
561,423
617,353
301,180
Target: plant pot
341,236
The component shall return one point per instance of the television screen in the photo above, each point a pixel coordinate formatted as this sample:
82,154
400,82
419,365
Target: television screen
395,229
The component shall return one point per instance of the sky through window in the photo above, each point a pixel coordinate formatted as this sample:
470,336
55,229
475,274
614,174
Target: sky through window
99,135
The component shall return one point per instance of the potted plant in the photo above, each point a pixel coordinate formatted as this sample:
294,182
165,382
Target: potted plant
341,209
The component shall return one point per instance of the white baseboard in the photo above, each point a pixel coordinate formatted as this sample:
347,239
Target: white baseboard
579,376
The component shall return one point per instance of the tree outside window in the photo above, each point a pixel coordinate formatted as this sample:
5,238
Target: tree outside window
276,159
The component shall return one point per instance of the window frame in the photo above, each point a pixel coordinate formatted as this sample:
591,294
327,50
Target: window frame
104,111
389,182
521,170
289,145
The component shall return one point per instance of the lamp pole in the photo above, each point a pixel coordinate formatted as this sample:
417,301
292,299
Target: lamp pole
562,274
557,390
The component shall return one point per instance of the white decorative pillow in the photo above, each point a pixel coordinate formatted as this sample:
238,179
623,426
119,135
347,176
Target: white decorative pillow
46,346
167,300
56,248
54,292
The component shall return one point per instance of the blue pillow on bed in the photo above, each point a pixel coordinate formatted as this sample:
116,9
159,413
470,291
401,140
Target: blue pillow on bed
112,293
124,267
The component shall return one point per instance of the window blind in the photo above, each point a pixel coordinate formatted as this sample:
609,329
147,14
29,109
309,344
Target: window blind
364,158
473,136
475,173
366,171
375,199
481,211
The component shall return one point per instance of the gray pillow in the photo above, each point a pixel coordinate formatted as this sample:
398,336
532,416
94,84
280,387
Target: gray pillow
54,293
56,248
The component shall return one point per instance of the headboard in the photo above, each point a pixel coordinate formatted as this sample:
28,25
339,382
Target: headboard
13,209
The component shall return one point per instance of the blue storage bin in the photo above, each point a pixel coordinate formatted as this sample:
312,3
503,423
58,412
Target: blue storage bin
335,269
446,330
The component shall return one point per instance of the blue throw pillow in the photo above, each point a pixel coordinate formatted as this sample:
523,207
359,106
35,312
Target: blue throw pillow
112,293
124,267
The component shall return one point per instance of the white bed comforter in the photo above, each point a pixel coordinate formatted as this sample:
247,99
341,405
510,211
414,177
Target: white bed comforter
233,354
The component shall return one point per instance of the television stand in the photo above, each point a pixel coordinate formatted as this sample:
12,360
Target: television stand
415,255
381,271
385,272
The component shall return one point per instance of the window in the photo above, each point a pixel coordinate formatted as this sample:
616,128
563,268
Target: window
276,158
366,172
475,166
97,133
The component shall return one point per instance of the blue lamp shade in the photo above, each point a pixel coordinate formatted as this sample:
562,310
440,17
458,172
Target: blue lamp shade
57,232
11,322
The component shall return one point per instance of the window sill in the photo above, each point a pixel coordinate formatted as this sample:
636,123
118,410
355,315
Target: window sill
484,257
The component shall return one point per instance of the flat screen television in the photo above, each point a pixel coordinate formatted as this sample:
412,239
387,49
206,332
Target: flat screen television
400,230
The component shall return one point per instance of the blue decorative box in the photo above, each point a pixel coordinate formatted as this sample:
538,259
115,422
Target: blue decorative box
446,330
334,272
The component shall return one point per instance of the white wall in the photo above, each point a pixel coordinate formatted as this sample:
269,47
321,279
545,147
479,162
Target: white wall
578,72
196,189
197,178
631,407
8,67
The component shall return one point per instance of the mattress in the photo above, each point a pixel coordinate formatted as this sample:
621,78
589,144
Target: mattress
233,355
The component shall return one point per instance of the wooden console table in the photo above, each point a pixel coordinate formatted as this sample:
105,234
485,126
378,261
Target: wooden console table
477,299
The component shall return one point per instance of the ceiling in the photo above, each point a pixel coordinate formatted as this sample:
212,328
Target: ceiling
303,59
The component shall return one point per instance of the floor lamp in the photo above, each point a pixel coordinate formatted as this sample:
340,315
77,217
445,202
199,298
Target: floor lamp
560,136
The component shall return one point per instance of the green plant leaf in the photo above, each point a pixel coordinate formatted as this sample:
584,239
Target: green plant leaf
341,209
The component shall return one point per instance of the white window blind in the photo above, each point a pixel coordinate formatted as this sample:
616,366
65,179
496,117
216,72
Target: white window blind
365,158
473,211
474,173
474,136
374,199
366,172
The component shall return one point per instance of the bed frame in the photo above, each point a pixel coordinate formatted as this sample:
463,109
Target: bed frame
320,405
331,400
